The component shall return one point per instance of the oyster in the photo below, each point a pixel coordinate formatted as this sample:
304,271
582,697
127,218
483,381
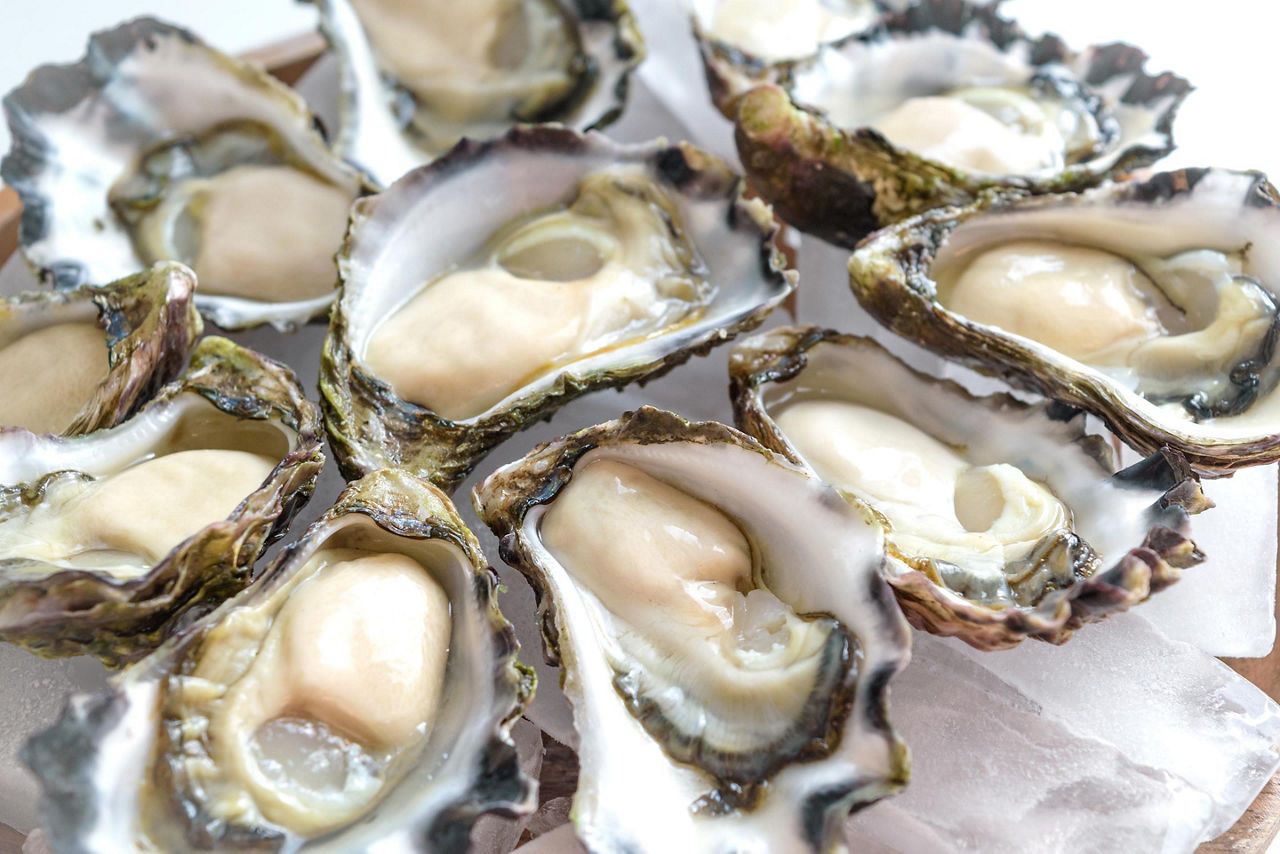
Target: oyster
725,634
1002,520
748,42
611,264
1149,303
155,146
357,696
946,101
418,75
106,538
77,361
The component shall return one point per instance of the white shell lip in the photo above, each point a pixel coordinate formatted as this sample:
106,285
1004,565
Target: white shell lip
78,128
801,518
371,137
103,746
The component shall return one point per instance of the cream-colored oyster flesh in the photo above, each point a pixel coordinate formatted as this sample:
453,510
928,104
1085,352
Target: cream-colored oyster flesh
47,376
612,267
704,644
939,504
475,64
988,130
1174,328
344,685
79,522
253,231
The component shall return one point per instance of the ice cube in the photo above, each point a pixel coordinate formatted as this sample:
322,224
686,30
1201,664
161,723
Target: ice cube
995,771
1162,703
1226,605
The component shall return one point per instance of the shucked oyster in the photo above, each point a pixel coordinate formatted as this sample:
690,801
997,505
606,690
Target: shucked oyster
1150,303
725,633
946,101
1002,520
106,538
77,361
748,42
155,146
460,324
418,75
358,696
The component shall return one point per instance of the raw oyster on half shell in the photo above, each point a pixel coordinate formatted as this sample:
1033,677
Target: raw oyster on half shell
1152,304
419,75
461,324
157,147
72,362
105,539
944,102
1002,520
725,634
357,696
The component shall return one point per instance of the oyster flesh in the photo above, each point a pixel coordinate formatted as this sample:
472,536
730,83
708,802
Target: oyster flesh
1002,520
1152,304
357,696
419,75
944,102
72,362
725,634
460,324
106,538
157,147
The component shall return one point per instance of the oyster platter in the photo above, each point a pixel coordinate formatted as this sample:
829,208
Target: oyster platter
676,425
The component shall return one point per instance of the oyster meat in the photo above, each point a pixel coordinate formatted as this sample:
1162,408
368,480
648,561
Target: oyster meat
161,148
106,538
614,264
724,633
1002,520
421,74
944,102
360,692
76,361
1150,303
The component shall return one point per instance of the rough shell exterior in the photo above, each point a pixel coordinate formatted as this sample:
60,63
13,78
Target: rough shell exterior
1148,567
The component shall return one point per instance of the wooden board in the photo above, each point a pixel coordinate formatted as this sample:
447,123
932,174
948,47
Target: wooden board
1252,834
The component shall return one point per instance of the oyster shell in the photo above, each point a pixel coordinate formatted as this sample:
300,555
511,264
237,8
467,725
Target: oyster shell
1002,520
418,75
77,361
106,538
155,146
218,741
725,634
611,264
946,101
1182,355
743,42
